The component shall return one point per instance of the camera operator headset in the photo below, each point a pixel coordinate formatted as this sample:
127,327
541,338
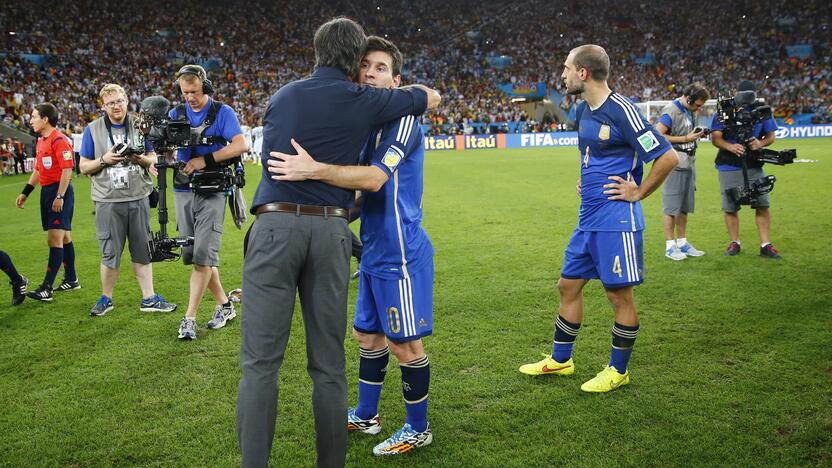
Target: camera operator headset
678,124
198,213
729,160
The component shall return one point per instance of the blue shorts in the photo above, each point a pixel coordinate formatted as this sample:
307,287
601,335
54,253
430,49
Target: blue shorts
401,309
616,258
48,218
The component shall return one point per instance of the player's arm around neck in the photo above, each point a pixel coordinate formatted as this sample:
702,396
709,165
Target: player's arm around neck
301,166
434,98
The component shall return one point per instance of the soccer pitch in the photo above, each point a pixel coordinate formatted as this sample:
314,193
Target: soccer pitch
731,367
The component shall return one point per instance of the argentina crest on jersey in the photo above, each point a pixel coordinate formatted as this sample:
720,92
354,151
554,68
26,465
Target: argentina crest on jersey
604,132
392,158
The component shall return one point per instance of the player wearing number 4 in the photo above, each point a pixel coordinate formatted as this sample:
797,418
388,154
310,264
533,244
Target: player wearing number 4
394,309
615,142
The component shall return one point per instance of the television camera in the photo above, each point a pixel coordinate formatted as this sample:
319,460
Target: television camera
738,116
166,135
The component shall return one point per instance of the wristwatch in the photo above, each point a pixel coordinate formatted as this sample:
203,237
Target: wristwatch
59,197
103,164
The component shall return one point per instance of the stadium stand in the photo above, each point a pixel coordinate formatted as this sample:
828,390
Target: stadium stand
470,50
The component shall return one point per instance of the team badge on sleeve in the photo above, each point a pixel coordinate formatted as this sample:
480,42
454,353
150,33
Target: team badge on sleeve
392,158
648,141
67,155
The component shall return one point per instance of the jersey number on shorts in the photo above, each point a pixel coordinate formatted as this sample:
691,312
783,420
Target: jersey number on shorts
616,266
394,320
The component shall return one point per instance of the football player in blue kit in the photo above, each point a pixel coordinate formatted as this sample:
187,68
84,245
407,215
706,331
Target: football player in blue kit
615,142
394,309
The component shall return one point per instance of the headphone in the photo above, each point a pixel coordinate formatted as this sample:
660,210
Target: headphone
199,72
694,92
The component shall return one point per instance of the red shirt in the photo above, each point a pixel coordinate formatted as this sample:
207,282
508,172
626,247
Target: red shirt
54,154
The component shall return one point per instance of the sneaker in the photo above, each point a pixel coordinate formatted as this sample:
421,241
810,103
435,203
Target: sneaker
104,305
403,441
222,314
732,250
770,252
68,286
607,380
367,426
674,253
690,250
549,366
19,290
156,303
235,295
43,293
187,329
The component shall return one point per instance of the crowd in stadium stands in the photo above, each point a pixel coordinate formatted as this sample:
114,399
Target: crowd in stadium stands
261,45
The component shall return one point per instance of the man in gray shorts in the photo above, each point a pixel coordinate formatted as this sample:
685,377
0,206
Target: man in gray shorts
677,123
199,213
120,185
729,164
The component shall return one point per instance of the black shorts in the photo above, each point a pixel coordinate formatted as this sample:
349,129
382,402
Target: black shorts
50,219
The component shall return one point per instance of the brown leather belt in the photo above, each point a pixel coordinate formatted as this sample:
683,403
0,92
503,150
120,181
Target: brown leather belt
310,210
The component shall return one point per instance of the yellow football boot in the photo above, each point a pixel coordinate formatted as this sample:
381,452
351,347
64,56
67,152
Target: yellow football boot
549,366
607,380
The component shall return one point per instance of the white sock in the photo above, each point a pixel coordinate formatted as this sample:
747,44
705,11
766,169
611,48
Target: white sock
670,244
764,244
737,241
681,241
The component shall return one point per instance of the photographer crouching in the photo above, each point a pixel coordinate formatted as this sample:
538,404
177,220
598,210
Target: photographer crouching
119,171
200,212
740,128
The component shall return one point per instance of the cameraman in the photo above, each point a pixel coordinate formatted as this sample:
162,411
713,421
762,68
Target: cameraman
120,185
729,164
201,214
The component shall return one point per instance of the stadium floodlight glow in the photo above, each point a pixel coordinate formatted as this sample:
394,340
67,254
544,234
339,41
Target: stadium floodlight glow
12,33
222,44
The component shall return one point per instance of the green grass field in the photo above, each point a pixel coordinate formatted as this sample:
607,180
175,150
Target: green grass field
732,365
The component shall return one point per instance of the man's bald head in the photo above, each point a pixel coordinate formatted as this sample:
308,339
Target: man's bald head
594,59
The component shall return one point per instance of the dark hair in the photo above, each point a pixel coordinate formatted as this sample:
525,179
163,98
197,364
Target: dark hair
594,58
697,92
380,44
48,111
340,43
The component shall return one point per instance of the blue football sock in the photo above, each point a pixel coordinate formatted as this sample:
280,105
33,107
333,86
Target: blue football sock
565,334
415,383
69,262
56,254
371,371
8,268
623,339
